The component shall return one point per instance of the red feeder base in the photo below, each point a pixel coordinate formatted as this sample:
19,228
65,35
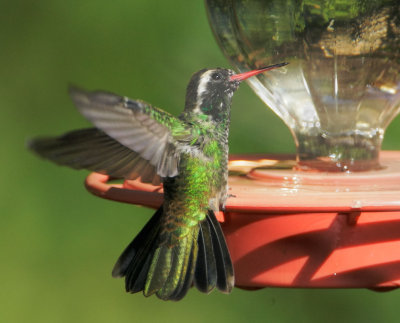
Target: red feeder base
288,228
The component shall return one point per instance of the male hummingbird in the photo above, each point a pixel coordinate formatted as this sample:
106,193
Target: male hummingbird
182,244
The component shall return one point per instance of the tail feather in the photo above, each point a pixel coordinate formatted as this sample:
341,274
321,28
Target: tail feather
206,268
186,280
139,247
159,270
169,271
173,279
135,281
182,269
225,273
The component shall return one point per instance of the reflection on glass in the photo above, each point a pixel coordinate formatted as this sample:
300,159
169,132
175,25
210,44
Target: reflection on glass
341,88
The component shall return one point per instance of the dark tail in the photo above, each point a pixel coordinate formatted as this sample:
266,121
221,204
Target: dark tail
201,258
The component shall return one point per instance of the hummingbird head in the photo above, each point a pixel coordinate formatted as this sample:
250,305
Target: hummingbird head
210,91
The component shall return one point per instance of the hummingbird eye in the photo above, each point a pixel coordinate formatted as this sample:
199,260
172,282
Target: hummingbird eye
216,76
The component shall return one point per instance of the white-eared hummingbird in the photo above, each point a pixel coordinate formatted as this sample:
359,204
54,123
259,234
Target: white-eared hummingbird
182,244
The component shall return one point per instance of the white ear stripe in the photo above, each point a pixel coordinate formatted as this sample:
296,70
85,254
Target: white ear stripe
204,79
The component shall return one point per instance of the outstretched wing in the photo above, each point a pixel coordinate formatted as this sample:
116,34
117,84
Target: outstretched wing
132,138
94,150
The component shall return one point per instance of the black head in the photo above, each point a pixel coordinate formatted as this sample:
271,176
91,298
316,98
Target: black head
210,91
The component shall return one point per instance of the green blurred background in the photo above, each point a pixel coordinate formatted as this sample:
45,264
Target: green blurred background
59,243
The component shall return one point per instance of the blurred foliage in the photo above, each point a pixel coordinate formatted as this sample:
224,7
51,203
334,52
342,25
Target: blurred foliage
59,243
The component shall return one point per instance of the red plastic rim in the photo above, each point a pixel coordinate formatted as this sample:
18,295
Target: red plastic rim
283,190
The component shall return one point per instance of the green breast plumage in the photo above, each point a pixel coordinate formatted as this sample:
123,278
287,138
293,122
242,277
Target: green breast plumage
187,196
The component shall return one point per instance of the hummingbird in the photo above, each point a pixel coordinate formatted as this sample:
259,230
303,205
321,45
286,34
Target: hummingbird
182,244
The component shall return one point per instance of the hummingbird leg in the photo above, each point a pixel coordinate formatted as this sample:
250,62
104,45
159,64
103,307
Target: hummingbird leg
222,205
214,205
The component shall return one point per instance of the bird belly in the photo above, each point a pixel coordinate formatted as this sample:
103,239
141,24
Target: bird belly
189,196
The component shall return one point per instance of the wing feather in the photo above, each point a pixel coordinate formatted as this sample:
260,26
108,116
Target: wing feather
146,130
132,139
94,150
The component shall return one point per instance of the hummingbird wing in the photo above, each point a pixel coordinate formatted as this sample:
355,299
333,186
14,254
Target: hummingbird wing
132,138
148,131
94,150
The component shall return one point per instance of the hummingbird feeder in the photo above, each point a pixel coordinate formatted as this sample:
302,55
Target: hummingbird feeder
330,216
